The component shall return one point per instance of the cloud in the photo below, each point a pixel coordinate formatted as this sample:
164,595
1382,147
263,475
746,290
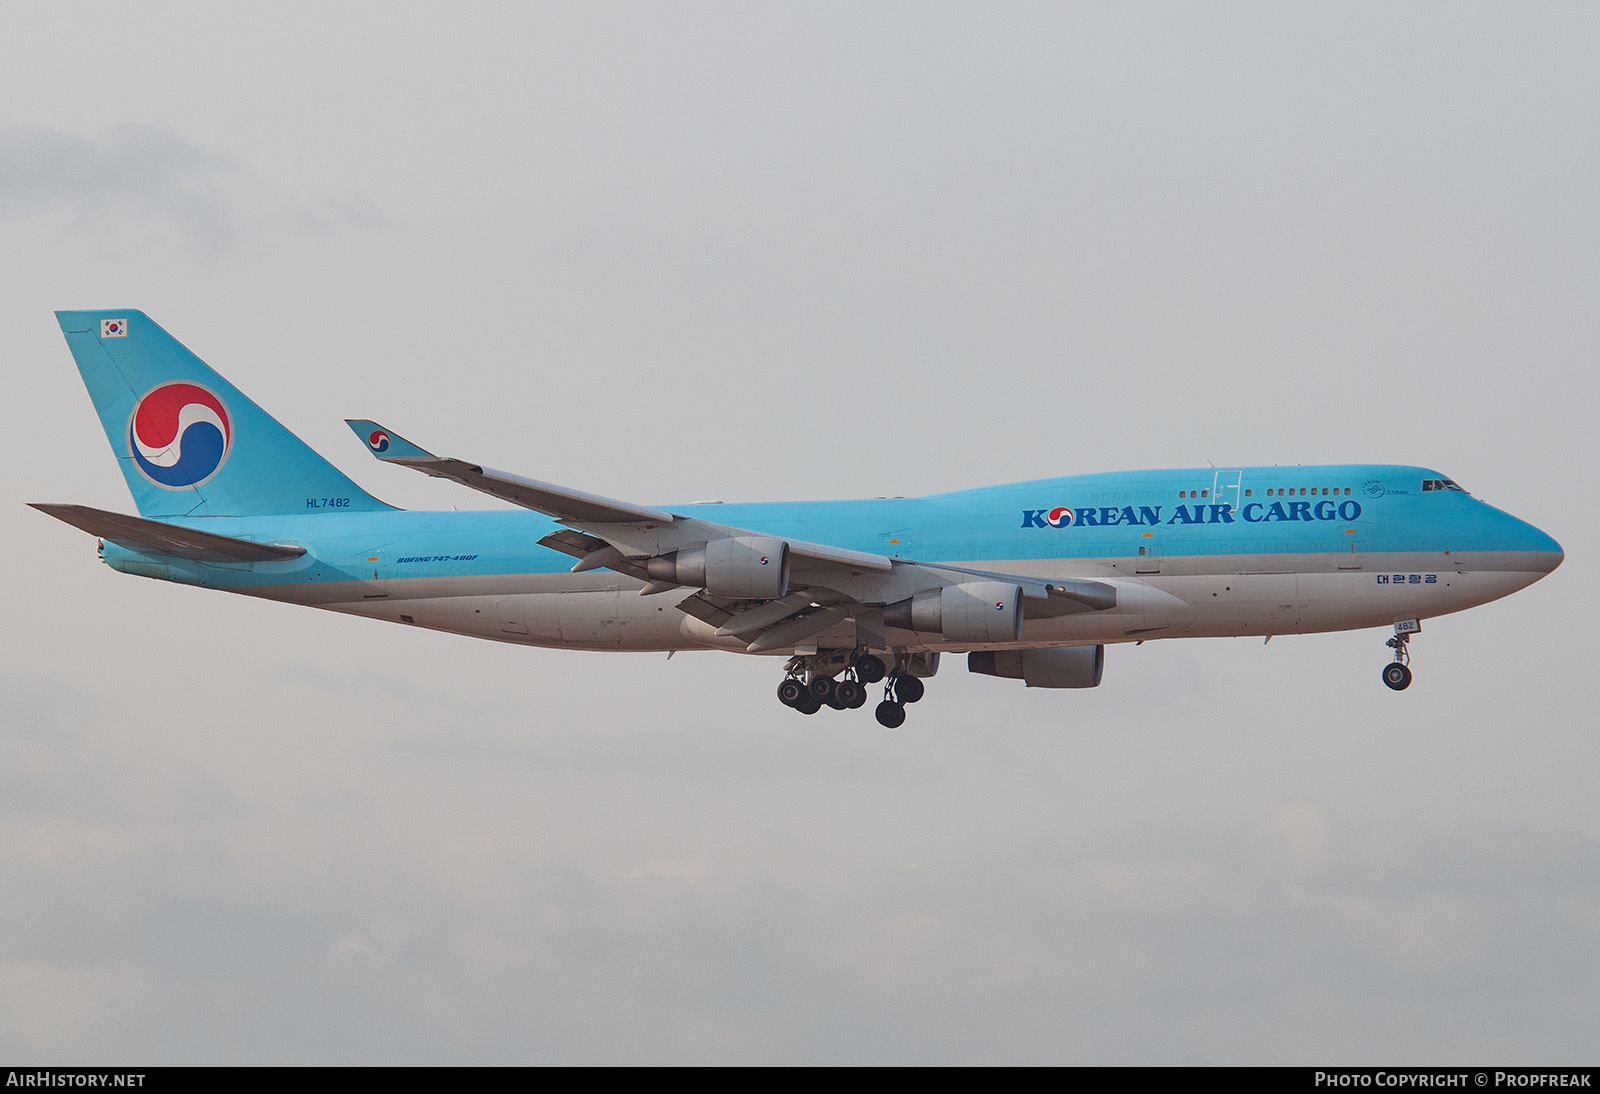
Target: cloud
132,177
1263,939
127,173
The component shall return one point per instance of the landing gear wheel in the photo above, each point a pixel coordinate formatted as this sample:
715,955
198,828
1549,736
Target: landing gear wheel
821,688
908,689
869,669
790,692
808,704
848,695
891,714
1397,674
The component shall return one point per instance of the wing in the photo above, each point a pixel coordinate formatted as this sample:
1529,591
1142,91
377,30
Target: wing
653,531
775,591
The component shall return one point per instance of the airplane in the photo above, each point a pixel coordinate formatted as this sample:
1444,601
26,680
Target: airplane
1031,580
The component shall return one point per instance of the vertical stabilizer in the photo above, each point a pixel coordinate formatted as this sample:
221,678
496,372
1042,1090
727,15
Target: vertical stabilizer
188,442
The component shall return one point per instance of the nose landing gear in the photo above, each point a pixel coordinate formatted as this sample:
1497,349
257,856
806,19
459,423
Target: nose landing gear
1397,674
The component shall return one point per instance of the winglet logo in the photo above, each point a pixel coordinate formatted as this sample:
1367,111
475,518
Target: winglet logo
1059,517
113,328
378,441
180,435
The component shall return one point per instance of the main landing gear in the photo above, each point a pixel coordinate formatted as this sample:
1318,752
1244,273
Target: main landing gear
1397,674
900,690
811,685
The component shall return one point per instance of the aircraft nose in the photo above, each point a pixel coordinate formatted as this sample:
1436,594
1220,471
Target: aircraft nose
1547,552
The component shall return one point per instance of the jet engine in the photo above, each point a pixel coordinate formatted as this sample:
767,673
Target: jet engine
1053,667
972,611
747,567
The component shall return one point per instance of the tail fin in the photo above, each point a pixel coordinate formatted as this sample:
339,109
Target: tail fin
190,443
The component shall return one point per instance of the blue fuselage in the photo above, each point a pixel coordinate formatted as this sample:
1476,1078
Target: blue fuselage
1236,551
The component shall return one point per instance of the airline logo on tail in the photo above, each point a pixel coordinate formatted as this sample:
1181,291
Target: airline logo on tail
180,435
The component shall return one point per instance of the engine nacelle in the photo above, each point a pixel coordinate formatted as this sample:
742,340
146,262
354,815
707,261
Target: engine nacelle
973,611
746,567
1054,667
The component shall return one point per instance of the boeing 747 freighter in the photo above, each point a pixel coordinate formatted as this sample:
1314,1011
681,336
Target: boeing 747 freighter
1032,580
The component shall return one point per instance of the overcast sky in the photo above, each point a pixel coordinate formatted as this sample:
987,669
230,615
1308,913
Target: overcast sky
669,252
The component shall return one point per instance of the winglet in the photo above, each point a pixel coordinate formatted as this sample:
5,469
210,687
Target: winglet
388,445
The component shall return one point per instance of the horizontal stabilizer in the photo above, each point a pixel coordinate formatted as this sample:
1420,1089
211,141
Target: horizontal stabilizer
159,538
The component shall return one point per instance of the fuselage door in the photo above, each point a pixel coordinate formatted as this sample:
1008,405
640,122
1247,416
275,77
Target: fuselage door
1351,556
1225,488
512,611
369,567
1269,603
895,544
1147,553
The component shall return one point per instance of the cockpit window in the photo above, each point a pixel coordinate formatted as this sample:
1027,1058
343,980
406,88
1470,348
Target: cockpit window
1439,484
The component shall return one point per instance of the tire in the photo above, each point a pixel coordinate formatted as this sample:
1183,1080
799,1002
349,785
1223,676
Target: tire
790,692
869,669
821,688
908,689
892,715
809,704
1397,676
848,695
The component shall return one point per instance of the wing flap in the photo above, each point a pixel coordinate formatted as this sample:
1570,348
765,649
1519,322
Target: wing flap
1090,595
766,614
840,556
592,553
798,629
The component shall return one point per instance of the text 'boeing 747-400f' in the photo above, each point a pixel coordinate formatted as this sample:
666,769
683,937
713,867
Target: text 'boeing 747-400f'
1031,580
